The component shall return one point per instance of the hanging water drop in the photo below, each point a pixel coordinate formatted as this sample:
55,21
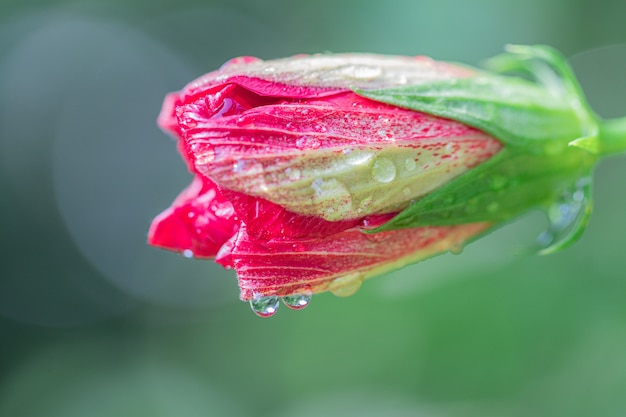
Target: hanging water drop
188,253
264,306
347,285
456,248
297,301
567,215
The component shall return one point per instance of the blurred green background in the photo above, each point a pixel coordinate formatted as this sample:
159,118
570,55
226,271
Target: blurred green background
93,322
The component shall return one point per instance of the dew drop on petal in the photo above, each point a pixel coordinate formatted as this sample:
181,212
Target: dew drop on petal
456,248
361,72
293,174
365,204
383,170
188,253
224,210
358,157
471,206
297,301
410,164
239,165
264,306
347,285
308,142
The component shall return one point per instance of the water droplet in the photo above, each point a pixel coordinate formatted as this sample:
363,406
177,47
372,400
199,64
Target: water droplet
365,204
498,182
308,142
239,165
264,306
383,170
493,207
449,199
578,196
347,285
188,253
456,248
566,216
293,174
410,164
297,301
471,206
361,72
224,210
358,156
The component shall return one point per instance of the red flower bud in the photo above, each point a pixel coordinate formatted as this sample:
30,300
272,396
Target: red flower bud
292,167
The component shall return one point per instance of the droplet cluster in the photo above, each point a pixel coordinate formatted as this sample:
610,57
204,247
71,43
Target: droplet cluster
267,306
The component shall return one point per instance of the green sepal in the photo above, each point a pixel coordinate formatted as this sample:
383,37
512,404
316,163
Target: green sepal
516,111
550,137
550,69
497,190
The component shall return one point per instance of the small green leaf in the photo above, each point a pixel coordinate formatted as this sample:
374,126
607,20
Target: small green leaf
589,143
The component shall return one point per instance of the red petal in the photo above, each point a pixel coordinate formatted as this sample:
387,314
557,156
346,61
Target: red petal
275,151
287,266
266,220
198,223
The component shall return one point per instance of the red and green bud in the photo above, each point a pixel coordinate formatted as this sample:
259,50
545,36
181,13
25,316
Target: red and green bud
315,172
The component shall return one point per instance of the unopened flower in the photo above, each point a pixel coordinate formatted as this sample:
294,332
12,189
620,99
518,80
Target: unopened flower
315,172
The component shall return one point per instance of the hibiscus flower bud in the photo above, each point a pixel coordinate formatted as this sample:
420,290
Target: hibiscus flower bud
313,173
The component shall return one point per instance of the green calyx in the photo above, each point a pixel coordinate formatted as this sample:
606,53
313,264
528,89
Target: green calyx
551,139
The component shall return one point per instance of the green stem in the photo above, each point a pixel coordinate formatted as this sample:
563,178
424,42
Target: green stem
612,136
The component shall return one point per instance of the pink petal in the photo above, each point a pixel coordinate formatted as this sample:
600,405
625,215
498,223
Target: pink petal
266,220
198,223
